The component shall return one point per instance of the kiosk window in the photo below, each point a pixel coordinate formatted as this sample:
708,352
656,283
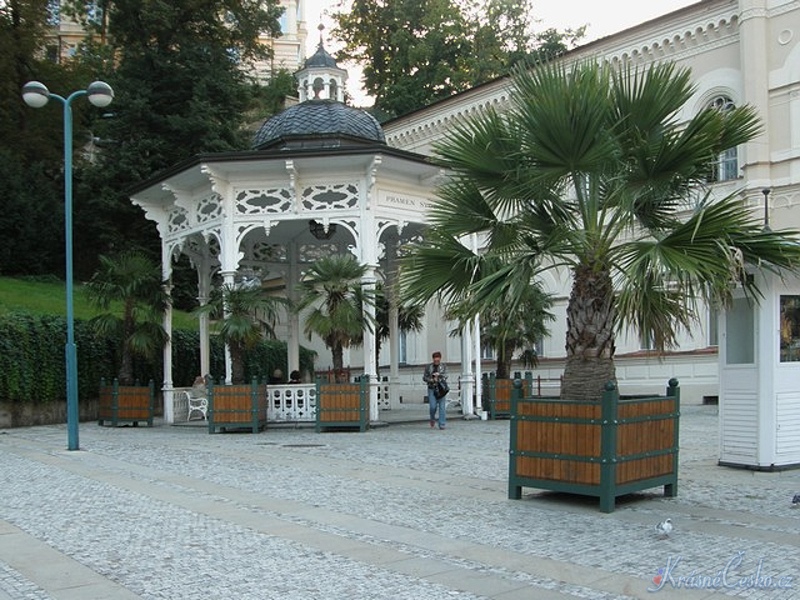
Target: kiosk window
740,333
790,328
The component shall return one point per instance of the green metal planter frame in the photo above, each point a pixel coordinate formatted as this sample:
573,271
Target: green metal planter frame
500,391
123,404
237,407
342,405
619,447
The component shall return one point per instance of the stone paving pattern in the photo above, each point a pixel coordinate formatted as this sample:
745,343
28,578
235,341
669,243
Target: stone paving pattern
399,512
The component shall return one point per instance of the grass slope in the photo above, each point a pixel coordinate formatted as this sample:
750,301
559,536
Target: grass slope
49,297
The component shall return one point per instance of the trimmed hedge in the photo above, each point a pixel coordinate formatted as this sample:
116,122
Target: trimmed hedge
32,363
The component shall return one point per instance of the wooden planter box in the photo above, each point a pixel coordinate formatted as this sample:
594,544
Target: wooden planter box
342,406
498,395
237,407
606,449
126,404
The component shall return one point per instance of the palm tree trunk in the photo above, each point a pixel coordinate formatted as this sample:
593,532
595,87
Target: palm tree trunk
128,326
237,364
590,335
337,353
505,350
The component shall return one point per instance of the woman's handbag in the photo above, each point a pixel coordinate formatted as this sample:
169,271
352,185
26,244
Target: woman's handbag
440,389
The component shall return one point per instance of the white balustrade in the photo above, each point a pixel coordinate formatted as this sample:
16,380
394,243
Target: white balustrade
292,403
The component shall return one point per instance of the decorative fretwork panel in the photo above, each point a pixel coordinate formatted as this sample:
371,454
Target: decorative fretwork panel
310,253
256,202
263,252
209,208
178,220
332,196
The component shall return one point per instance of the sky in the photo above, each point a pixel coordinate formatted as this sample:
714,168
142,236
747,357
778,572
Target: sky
602,17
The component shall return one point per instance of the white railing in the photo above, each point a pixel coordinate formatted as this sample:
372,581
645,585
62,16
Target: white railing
180,403
292,403
384,398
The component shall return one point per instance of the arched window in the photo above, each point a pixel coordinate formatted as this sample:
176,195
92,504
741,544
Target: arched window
726,167
319,87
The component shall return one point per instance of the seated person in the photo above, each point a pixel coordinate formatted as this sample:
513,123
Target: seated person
277,377
199,389
294,377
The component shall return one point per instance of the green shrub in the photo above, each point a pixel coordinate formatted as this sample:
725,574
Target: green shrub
33,369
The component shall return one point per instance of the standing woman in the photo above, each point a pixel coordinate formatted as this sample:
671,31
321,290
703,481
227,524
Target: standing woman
434,372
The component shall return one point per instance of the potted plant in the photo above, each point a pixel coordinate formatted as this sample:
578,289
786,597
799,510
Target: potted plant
133,281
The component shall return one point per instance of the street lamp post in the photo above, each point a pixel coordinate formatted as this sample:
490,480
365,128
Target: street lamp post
36,95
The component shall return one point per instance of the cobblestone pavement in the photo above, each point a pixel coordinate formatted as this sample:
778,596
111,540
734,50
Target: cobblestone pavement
401,512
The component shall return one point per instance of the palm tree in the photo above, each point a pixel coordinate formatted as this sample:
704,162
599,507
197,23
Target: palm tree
590,170
515,320
133,280
247,315
508,331
332,290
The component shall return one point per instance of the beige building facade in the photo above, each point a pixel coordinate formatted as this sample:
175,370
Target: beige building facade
740,52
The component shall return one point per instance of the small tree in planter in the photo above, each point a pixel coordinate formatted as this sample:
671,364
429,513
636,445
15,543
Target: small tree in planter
590,170
332,293
246,315
134,281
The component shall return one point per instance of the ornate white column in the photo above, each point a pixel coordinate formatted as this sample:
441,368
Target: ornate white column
368,242
167,393
229,253
390,289
467,377
393,350
370,349
476,338
228,281
203,296
293,278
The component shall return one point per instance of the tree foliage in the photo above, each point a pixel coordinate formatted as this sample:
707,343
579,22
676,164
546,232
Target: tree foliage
332,294
246,315
413,53
589,170
135,281
31,143
179,72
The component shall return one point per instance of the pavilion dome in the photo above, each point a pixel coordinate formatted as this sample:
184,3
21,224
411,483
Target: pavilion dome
319,123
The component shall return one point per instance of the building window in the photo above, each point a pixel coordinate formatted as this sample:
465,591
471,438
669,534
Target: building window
726,167
51,53
487,352
402,348
740,333
54,13
94,12
646,341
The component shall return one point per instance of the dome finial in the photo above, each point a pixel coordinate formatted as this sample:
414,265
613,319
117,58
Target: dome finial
321,28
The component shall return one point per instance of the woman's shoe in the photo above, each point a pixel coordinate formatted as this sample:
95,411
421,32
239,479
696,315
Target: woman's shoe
433,423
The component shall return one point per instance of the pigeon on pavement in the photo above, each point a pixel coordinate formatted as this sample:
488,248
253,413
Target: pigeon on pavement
664,528
796,500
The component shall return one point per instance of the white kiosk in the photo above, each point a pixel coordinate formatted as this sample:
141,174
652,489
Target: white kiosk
759,379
